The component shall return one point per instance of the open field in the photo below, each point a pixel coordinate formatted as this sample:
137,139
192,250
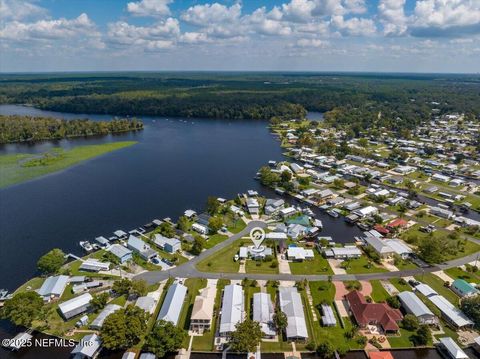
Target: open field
23,167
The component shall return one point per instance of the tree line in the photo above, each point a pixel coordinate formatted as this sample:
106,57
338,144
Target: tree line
31,129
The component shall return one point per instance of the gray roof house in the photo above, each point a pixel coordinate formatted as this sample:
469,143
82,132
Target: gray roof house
413,305
75,306
233,310
291,304
98,321
263,313
53,287
88,347
382,248
170,245
140,247
450,313
448,346
122,253
172,305
146,303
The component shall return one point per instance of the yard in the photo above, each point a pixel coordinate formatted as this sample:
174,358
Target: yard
363,265
462,274
222,261
253,266
438,285
379,294
318,265
214,240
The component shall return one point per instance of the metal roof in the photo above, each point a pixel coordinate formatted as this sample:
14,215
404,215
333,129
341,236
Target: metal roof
119,250
88,346
172,305
75,303
53,286
291,304
232,308
328,318
413,304
109,309
146,303
453,349
425,289
263,312
449,310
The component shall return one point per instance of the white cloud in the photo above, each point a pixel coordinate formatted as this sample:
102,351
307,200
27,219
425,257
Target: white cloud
19,10
392,16
311,43
203,15
152,8
298,10
354,26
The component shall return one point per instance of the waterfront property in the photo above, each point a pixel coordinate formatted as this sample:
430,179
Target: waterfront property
140,247
88,347
75,306
202,312
98,321
53,287
233,309
346,252
169,245
451,314
413,305
450,349
291,304
123,254
380,314
173,303
94,265
263,313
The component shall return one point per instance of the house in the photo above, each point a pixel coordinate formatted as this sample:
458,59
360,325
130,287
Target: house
75,306
324,195
172,305
94,265
328,318
397,223
233,309
88,347
399,247
463,288
440,212
102,241
146,303
123,254
425,290
291,304
169,245
287,212
263,313
450,313
200,228
53,287
382,248
98,321
139,246
450,349
296,231
413,305
253,206
366,211
273,206
297,168
299,254
343,252
440,178
373,313
202,312
404,170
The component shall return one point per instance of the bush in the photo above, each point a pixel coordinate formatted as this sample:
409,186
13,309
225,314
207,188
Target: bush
310,346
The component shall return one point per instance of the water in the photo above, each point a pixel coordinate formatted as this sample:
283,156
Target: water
315,116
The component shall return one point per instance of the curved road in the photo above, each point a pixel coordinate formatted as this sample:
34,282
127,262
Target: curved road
189,270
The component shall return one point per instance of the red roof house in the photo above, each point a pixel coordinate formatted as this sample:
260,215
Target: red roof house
373,313
397,223
381,229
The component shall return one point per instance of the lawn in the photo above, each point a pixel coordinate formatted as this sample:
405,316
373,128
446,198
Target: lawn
362,265
17,168
401,287
32,284
194,285
222,261
379,294
249,291
318,265
253,266
402,341
214,240
461,274
437,284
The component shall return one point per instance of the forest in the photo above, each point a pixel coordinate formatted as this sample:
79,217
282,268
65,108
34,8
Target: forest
32,129
351,101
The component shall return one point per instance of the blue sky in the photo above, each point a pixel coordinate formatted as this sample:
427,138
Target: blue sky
288,35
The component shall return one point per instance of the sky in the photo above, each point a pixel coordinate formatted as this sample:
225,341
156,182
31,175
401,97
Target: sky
234,35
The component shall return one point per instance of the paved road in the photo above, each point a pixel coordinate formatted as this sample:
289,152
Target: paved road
189,270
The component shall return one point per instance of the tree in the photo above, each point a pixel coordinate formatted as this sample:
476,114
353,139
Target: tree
393,302
410,322
267,177
167,230
23,308
212,205
285,176
183,223
422,336
246,336
99,301
215,223
139,288
471,307
124,328
198,245
51,262
326,350
338,183
122,286
280,320
164,338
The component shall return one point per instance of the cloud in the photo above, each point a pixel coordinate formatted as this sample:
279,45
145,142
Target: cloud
149,8
310,43
298,10
354,26
203,15
392,16
441,18
19,10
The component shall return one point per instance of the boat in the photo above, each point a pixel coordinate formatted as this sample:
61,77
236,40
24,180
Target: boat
308,211
86,246
333,213
4,295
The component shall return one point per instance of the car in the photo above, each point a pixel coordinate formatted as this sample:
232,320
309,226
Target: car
166,261
155,260
236,257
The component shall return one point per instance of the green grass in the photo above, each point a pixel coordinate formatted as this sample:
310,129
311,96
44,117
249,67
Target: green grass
361,265
457,273
402,341
222,261
34,283
194,285
318,265
437,284
401,287
214,240
379,294
249,291
22,167
264,267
